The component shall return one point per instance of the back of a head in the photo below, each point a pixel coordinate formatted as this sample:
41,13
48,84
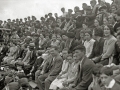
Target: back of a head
107,71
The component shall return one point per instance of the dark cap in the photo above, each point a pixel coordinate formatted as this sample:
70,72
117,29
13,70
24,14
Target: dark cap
79,47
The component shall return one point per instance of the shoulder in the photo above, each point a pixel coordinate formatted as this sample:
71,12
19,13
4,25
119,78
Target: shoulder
88,63
59,58
112,39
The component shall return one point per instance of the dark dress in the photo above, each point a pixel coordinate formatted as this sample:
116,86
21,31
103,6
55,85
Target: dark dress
97,49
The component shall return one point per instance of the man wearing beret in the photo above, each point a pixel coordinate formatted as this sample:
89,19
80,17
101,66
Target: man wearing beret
84,77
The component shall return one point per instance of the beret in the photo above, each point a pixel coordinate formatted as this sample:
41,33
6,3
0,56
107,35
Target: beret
79,47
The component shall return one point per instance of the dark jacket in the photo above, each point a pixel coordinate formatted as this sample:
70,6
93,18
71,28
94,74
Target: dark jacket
84,77
97,48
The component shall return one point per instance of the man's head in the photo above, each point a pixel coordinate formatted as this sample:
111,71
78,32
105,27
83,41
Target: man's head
54,51
84,6
56,15
79,52
93,3
63,9
103,9
105,75
64,53
50,14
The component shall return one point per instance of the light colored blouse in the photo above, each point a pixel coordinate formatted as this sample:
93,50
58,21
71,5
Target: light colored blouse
109,47
89,47
64,66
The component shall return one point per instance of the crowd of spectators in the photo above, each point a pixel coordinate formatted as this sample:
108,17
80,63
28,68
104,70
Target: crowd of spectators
79,50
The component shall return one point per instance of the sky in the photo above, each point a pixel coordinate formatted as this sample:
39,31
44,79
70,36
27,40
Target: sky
22,8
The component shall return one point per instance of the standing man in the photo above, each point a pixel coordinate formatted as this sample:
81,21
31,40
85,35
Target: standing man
53,67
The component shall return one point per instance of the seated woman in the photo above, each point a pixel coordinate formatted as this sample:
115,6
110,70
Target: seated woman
89,42
12,53
98,45
67,78
109,46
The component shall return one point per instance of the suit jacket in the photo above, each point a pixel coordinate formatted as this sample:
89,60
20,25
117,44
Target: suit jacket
84,77
71,45
32,58
54,66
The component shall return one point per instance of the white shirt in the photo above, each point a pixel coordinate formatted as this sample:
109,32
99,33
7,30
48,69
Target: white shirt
89,47
111,84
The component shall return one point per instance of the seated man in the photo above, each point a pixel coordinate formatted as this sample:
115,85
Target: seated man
30,58
53,67
84,77
46,57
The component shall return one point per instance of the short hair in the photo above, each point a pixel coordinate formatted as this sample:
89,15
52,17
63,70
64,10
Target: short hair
107,71
82,31
89,32
80,47
96,69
